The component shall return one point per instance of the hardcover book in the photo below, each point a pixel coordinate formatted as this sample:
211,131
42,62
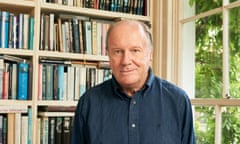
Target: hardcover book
22,81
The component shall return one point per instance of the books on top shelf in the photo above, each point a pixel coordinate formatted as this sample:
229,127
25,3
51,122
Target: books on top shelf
136,7
16,31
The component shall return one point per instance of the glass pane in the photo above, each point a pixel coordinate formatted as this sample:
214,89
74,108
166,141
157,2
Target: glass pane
204,124
208,57
231,125
199,6
234,46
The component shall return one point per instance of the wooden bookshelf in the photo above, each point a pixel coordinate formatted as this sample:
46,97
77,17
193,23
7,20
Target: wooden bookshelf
35,8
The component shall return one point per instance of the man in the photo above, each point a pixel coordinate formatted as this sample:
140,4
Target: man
135,106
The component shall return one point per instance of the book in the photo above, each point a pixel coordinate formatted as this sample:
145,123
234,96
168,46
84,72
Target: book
22,81
1,76
40,81
25,30
13,58
58,130
44,130
4,20
20,22
51,32
66,130
51,131
30,125
31,33
70,83
76,36
17,128
4,134
5,86
94,37
10,30
13,81
61,82
38,127
1,129
87,37
24,129
49,82
10,128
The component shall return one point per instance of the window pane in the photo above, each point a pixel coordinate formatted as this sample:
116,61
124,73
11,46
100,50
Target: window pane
208,57
200,6
231,125
234,46
204,124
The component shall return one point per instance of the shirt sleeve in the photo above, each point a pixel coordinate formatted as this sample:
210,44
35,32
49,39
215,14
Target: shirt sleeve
77,136
188,136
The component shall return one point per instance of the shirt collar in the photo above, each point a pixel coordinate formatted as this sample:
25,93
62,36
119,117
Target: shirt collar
117,88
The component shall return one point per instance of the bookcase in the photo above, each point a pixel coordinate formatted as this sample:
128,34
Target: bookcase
42,46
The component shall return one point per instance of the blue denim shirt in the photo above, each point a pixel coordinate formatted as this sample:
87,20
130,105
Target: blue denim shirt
160,113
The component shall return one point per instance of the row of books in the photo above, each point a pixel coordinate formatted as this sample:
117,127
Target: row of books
76,34
54,127
15,125
15,78
16,31
126,6
54,124
68,82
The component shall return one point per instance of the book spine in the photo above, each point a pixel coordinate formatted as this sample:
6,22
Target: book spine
4,31
18,128
76,36
10,128
40,68
5,93
24,130
1,129
51,32
14,32
14,81
1,76
10,30
29,131
25,30
0,28
31,33
61,82
22,81
49,82
20,31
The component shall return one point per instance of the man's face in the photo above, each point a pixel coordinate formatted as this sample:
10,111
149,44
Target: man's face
129,54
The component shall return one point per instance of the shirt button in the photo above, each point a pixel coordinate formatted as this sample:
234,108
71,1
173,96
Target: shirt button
133,125
134,102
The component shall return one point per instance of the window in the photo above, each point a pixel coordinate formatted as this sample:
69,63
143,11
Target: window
210,46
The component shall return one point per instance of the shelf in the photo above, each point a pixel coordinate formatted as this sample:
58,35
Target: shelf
71,56
16,102
23,6
57,103
94,13
11,51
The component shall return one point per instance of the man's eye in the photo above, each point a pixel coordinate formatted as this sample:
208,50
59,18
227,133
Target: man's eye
117,51
135,50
